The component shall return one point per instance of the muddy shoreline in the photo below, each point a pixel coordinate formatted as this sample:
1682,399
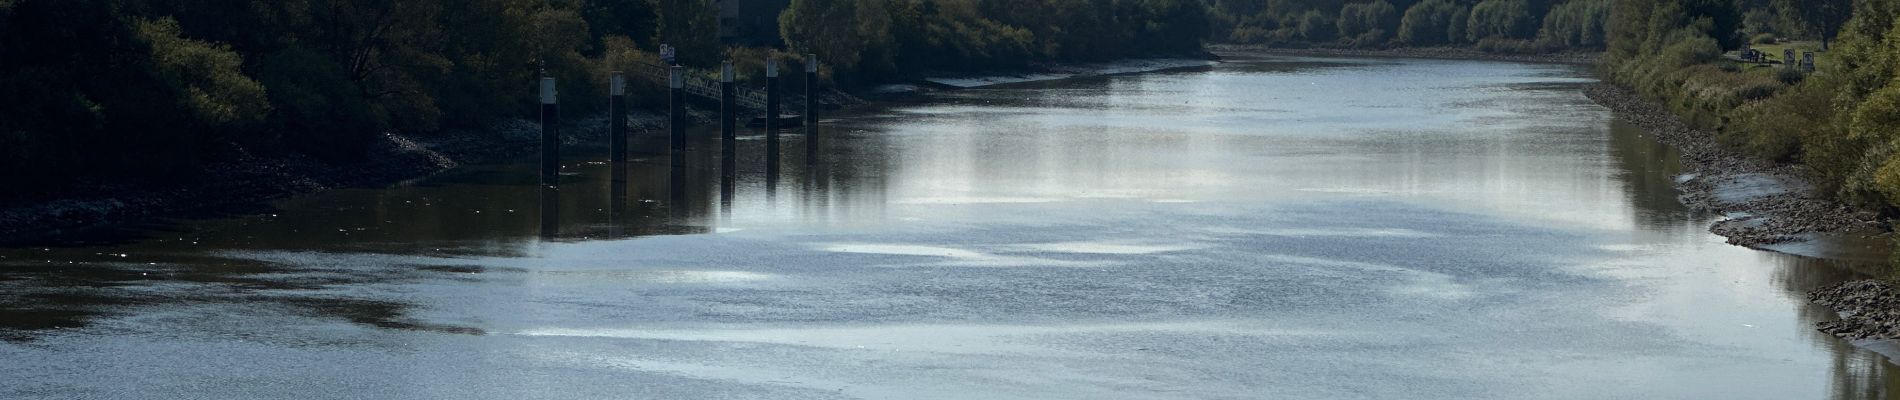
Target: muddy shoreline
248,183
1444,53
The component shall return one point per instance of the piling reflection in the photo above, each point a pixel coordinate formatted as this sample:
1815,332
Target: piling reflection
550,212
617,200
728,182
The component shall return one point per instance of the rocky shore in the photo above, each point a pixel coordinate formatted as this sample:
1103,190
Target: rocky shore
1448,53
1869,309
1766,203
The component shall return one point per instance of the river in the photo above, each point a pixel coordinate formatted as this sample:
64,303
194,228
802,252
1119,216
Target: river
1271,227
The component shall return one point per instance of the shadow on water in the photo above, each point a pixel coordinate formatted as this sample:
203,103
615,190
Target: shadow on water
476,211
347,256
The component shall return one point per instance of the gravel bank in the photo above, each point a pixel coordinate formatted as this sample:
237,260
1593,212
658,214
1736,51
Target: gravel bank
1869,309
1767,203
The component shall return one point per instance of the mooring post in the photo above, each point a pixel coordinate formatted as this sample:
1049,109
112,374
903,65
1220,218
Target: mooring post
771,107
550,135
676,109
811,107
728,113
617,118
771,131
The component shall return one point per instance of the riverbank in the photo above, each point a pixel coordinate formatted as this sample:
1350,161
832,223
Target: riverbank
244,183
241,184
1446,53
1769,206
1071,71
1766,203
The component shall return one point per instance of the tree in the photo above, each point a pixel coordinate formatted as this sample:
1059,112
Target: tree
1820,18
1373,21
1431,23
842,32
1509,19
1578,23
1315,27
207,77
691,27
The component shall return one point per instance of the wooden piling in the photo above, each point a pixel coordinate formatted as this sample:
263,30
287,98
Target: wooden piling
728,113
728,139
771,131
617,120
771,108
676,109
811,107
550,135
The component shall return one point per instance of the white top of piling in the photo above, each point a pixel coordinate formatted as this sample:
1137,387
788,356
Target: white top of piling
619,84
811,63
547,90
771,68
725,73
677,78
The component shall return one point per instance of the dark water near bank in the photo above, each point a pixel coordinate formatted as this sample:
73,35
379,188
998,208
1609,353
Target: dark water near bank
1269,228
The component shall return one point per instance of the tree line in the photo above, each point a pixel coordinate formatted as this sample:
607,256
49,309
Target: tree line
151,89
1493,25
145,89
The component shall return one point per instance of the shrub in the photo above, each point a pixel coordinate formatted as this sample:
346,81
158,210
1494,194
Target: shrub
1790,76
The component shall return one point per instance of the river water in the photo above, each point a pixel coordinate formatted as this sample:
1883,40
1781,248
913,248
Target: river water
1267,228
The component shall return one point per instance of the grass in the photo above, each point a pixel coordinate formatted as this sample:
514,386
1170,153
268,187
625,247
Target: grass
1774,51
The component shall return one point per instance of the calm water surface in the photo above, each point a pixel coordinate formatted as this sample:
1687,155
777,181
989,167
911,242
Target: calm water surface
1267,228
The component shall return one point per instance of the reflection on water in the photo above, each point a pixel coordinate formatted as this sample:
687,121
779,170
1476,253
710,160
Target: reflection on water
1246,230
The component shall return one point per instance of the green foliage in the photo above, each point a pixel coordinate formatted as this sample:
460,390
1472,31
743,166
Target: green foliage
207,77
1819,19
844,31
1844,122
1314,26
1368,24
1506,19
690,26
1433,22
1577,24
1507,26
149,88
867,40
